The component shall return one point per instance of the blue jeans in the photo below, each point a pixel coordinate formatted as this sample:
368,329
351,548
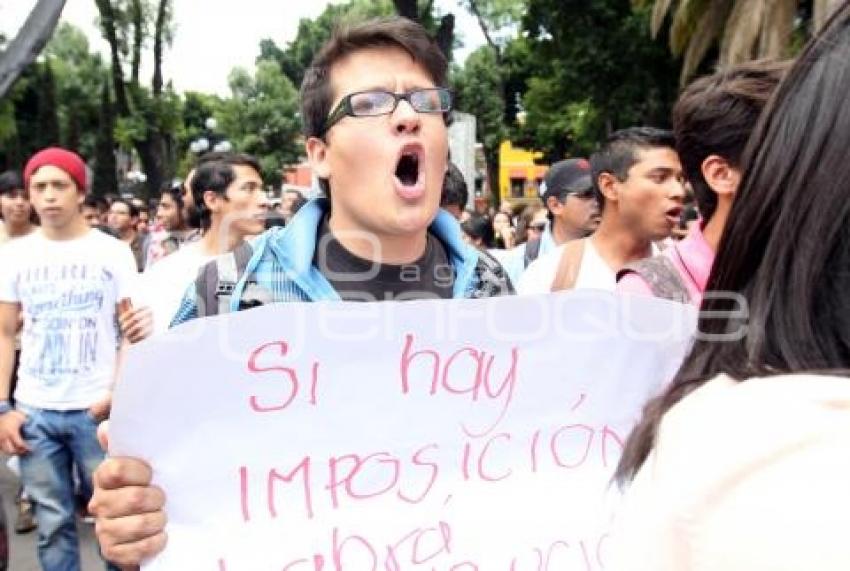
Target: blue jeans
59,441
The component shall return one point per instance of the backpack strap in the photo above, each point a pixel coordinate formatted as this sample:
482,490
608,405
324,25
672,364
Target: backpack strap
228,275
217,279
569,265
662,276
532,251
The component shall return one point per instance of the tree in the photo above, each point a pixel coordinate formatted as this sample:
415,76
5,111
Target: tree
29,42
483,86
77,71
53,102
147,118
312,34
105,169
479,88
442,27
494,17
261,117
47,118
581,82
744,29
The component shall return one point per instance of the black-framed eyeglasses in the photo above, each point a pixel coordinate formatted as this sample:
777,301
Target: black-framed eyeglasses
379,102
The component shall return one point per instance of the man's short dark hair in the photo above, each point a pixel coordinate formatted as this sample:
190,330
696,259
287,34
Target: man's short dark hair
715,116
619,153
455,192
175,191
479,227
9,181
131,208
97,202
299,200
316,90
216,174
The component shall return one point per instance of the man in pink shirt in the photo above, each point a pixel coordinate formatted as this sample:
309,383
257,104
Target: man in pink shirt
712,121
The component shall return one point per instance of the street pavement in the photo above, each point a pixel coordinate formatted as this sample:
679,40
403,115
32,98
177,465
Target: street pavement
22,548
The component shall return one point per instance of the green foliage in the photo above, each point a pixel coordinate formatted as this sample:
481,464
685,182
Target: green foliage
295,58
9,156
105,178
261,117
48,132
28,115
77,71
593,69
479,91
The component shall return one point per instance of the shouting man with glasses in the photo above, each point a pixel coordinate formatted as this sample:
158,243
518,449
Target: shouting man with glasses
374,107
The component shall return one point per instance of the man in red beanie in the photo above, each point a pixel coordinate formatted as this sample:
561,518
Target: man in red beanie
67,280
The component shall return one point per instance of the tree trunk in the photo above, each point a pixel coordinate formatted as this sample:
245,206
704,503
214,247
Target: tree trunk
491,159
105,169
138,37
47,120
107,20
159,30
473,6
446,34
29,41
151,154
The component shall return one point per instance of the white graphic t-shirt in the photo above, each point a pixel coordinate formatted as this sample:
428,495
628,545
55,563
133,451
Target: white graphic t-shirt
68,290
162,286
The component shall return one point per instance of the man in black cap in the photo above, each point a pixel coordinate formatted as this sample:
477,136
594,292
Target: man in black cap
572,213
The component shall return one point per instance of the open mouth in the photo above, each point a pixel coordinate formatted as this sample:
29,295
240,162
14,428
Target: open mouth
410,184
407,169
674,215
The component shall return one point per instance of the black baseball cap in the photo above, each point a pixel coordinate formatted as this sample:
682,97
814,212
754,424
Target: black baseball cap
569,175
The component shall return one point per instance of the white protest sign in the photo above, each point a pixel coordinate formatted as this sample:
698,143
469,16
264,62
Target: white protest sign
437,435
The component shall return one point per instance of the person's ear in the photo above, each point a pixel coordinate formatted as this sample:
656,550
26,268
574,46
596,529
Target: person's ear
317,155
720,176
211,200
607,184
554,205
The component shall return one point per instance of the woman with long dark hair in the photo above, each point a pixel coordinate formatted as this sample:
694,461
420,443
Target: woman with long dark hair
744,463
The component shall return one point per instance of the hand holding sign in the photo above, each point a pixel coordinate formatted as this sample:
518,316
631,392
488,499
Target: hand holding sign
130,516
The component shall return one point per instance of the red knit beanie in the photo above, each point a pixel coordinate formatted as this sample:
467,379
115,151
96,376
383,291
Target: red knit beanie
68,161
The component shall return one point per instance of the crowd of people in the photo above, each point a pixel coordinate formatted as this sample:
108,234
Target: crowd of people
717,475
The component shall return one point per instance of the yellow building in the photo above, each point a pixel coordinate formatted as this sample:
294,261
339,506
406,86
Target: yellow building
519,176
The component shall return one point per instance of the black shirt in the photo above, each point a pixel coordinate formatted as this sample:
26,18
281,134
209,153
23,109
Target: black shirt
356,279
